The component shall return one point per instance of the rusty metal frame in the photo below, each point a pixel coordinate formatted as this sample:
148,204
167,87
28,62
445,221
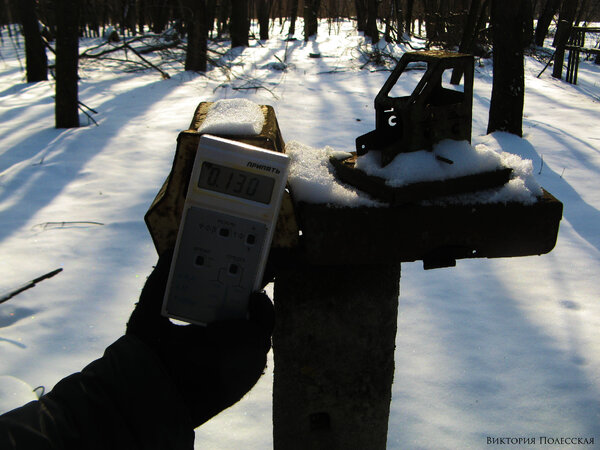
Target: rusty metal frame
428,115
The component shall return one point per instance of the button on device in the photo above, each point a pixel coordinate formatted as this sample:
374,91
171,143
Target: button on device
224,232
199,260
250,239
233,269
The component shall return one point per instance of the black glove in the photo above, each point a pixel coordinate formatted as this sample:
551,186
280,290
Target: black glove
213,367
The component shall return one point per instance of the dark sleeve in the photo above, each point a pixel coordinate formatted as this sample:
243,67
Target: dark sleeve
124,400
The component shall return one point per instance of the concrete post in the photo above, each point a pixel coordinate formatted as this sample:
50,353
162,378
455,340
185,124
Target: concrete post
334,356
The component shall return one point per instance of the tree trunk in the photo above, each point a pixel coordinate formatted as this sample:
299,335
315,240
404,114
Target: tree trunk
387,34
158,16
67,54
361,17
409,16
293,13
311,18
372,31
483,19
223,14
211,14
581,13
548,12
399,22
433,21
263,18
508,90
565,22
195,57
468,37
239,27
141,18
35,52
528,24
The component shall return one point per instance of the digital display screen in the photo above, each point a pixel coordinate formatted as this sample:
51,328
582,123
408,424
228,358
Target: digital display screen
238,183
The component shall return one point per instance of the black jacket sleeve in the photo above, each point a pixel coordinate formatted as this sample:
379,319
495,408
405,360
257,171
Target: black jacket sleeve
124,400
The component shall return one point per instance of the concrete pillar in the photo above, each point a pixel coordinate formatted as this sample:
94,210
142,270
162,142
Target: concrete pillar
334,356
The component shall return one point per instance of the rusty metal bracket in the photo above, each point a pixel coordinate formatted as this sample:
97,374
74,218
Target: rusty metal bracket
431,113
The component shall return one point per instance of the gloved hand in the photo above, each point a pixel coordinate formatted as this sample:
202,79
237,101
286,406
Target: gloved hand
213,367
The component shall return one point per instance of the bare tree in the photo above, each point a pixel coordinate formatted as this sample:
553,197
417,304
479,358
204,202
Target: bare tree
239,27
361,14
35,51
508,90
372,32
408,16
468,38
196,58
311,18
581,12
548,11
159,14
397,4
484,18
433,22
293,14
527,22
263,11
223,25
565,22
67,52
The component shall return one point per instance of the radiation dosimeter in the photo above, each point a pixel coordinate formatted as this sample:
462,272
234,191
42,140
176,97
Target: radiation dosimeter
228,220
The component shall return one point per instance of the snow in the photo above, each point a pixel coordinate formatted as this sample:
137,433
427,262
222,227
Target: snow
14,393
312,180
419,166
234,117
312,176
500,348
414,167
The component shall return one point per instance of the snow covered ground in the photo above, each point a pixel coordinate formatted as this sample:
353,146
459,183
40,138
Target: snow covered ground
491,348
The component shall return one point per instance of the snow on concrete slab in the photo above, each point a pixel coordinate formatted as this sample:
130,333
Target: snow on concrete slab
420,166
313,180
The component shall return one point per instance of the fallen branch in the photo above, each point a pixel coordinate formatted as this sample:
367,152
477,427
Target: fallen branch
380,58
81,107
126,44
113,48
30,284
547,64
247,85
48,46
336,70
141,65
45,225
87,107
164,74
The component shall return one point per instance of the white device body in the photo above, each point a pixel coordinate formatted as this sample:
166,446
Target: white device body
225,234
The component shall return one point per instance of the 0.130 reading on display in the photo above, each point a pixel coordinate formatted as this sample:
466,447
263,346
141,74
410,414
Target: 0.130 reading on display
238,183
